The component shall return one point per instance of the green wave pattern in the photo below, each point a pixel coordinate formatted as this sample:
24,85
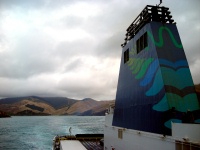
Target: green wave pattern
138,65
177,78
144,67
132,52
131,62
181,104
141,64
161,41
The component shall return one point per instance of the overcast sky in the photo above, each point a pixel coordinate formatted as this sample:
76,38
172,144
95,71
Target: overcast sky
71,48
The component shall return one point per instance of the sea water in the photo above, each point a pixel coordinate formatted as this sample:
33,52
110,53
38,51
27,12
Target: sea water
37,132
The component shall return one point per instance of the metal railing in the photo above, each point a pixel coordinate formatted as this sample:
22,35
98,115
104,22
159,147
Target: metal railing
148,14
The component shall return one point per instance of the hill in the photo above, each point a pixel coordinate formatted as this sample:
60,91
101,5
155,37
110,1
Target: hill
34,105
3,114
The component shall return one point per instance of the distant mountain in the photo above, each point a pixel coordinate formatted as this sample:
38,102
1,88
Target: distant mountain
56,102
59,102
33,105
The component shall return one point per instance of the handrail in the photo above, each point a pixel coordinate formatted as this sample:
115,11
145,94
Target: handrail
148,14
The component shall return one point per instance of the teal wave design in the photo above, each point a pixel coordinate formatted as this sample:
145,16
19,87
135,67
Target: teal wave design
177,64
162,105
172,78
168,123
150,73
160,43
168,64
157,85
182,104
197,121
177,78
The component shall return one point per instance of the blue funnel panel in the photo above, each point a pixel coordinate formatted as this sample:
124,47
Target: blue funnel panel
155,86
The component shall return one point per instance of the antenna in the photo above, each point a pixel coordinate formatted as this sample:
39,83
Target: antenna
160,2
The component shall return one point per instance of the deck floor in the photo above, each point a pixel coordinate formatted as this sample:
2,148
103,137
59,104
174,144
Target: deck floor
92,145
87,141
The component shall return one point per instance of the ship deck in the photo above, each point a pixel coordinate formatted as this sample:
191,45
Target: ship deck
79,142
92,145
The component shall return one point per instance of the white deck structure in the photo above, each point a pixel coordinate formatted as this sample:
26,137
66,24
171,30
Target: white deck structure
71,145
184,137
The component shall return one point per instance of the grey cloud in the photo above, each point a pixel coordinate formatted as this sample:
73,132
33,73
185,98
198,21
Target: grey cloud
27,4
35,4
40,86
35,62
30,56
76,48
73,64
88,85
72,21
110,47
40,4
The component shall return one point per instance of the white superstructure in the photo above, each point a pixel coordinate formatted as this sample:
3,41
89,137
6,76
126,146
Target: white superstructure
184,137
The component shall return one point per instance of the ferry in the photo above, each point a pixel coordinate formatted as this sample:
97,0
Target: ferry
156,104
